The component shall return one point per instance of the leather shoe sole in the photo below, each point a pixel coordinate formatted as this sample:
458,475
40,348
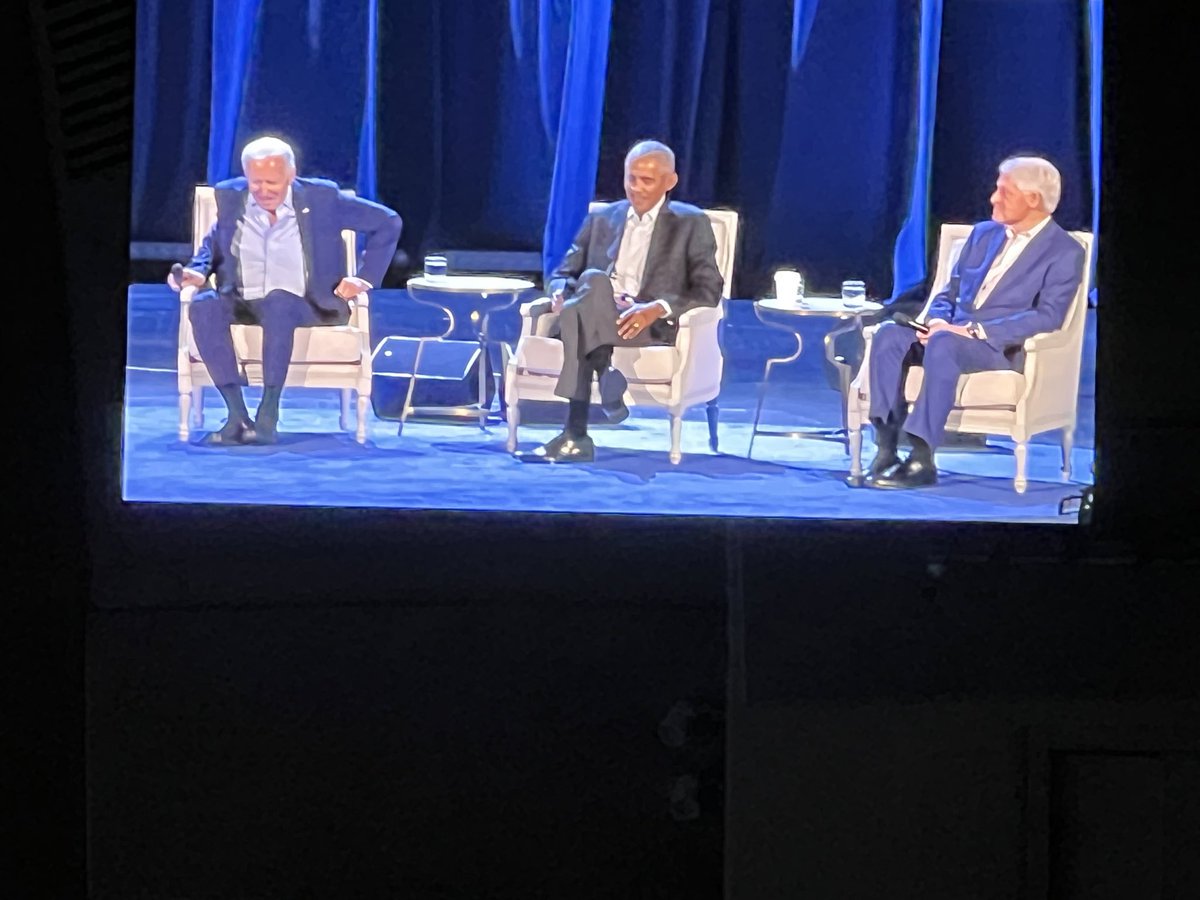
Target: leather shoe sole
560,450
908,474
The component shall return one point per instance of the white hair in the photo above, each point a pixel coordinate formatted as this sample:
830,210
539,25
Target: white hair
1032,173
265,148
645,148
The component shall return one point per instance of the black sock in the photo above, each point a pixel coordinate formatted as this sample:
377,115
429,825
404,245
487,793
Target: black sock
600,359
577,418
234,402
887,436
921,451
268,407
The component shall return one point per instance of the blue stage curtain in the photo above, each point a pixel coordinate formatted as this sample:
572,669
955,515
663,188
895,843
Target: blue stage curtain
577,148
305,78
233,34
1014,79
666,66
808,117
366,183
170,123
909,257
1096,51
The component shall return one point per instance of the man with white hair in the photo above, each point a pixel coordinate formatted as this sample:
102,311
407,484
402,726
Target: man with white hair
632,270
1016,277
278,258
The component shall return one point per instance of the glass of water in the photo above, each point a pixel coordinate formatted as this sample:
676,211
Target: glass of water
435,267
854,292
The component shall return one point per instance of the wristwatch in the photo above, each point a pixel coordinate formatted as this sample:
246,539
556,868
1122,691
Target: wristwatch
973,330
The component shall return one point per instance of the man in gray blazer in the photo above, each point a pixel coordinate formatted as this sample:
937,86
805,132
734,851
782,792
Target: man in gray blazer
632,270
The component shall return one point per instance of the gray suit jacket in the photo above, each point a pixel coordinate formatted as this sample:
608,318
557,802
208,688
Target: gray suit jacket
681,264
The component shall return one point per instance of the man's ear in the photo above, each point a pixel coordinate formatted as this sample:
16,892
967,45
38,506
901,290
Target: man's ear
672,180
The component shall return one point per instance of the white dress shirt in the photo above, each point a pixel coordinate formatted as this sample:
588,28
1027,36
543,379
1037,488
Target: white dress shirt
270,256
631,255
1014,245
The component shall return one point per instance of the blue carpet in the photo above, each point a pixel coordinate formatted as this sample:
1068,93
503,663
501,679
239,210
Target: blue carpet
455,466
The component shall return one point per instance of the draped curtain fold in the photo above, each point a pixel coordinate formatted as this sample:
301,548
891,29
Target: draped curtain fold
1096,54
911,252
491,126
581,111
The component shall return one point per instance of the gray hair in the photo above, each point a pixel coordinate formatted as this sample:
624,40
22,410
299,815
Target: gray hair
645,148
266,147
1032,173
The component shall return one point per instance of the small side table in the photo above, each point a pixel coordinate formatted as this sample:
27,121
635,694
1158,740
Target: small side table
785,315
468,302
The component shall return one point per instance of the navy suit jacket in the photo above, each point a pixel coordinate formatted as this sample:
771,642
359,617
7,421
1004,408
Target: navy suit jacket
1033,296
322,212
681,262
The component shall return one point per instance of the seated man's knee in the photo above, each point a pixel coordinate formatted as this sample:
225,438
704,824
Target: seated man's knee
594,281
891,338
204,305
942,349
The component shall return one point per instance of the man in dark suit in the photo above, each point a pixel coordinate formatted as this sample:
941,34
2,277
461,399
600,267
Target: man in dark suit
632,270
1016,276
277,253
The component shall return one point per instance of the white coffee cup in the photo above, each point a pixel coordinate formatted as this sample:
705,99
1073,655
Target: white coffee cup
789,285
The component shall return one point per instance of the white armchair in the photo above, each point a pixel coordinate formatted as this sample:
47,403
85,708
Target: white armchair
674,377
327,356
1018,405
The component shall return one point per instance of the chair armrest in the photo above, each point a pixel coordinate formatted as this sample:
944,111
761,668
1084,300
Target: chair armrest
1047,340
535,308
537,317
362,300
702,315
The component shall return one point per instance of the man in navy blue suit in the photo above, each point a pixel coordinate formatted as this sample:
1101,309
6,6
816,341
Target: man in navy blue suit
277,254
1016,277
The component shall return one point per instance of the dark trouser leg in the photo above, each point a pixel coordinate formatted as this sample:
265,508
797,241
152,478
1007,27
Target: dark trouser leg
893,350
947,356
588,330
279,313
211,314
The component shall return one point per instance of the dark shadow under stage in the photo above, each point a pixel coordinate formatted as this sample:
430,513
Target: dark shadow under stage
438,465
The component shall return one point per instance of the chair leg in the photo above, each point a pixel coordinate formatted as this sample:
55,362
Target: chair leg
713,412
197,407
854,440
1068,443
344,418
412,384
1021,453
514,422
360,427
676,438
185,413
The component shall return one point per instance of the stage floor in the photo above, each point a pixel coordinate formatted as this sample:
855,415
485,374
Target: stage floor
455,466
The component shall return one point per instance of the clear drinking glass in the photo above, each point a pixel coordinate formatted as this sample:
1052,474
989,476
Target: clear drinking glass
854,292
435,267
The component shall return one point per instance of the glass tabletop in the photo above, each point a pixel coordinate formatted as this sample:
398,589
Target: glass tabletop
471,284
818,306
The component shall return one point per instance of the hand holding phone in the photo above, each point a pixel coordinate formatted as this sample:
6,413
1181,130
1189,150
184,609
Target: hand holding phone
909,322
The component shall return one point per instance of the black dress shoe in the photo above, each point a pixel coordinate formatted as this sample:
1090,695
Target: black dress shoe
911,473
265,432
562,449
234,433
612,395
883,461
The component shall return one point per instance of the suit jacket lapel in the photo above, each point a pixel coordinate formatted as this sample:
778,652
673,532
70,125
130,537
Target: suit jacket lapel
1028,258
664,228
616,221
300,205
